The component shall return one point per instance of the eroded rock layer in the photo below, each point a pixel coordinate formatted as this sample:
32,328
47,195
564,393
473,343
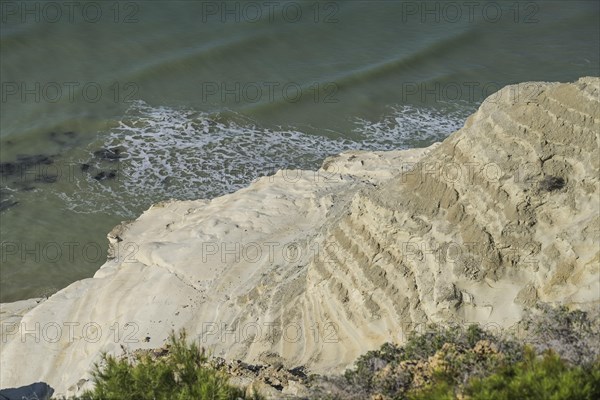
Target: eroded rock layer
505,213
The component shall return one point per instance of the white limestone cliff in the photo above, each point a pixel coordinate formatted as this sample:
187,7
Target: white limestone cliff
315,268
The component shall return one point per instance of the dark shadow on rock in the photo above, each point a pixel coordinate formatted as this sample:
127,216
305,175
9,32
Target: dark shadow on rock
35,391
551,183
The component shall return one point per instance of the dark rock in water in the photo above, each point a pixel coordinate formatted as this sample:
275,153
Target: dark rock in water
85,167
8,168
100,176
35,159
38,391
22,168
6,204
46,179
69,134
63,138
23,163
54,137
45,160
551,183
113,154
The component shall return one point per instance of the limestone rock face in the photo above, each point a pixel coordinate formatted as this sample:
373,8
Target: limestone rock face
315,268
503,214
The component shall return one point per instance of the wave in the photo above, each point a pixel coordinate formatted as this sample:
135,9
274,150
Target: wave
184,154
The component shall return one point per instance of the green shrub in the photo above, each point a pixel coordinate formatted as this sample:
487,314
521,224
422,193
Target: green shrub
419,347
547,377
573,334
183,374
558,359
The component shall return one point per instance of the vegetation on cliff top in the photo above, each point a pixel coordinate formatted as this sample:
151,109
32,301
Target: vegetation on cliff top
183,374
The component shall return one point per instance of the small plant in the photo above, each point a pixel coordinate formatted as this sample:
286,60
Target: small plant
183,374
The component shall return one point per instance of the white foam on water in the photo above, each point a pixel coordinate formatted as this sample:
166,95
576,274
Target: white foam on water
407,124
184,154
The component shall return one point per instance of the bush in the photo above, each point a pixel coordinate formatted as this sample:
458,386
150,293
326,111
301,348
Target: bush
573,335
393,370
558,359
546,377
183,374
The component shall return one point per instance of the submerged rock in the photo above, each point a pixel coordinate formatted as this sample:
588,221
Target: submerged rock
8,168
103,175
24,162
27,160
6,204
112,154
